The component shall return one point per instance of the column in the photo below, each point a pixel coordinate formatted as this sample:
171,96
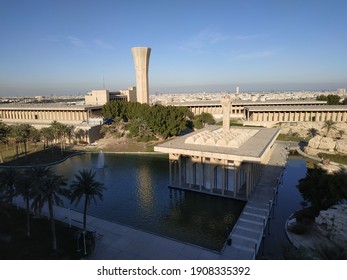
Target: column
202,177
170,173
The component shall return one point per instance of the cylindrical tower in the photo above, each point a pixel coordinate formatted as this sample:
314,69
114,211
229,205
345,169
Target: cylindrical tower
141,60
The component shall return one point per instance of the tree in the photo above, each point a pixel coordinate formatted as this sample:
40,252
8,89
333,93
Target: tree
24,189
312,132
331,99
328,126
48,188
47,134
85,185
323,190
8,180
21,134
201,120
59,132
5,132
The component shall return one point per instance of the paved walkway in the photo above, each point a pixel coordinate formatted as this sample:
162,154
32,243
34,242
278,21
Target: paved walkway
248,231
115,241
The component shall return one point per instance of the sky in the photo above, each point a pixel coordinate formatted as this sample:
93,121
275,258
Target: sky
70,47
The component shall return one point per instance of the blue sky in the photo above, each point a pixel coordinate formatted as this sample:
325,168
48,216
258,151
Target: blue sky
73,46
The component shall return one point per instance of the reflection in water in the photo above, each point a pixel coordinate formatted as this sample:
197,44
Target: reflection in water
137,195
288,201
145,193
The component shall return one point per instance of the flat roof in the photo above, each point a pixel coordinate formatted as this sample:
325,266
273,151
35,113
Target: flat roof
252,150
246,102
297,108
47,106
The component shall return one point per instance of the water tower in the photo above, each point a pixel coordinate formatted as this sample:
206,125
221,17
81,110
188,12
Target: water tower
141,60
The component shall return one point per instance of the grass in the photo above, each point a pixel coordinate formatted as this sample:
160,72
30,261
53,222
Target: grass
15,245
334,157
39,157
286,137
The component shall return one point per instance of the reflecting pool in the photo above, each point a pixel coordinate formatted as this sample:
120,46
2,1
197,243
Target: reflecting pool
288,201
137,195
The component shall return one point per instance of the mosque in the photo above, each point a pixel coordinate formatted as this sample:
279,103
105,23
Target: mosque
223,161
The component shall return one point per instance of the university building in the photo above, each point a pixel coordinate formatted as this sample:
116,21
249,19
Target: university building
87,118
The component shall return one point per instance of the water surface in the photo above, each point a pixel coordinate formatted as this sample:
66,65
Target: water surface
137,195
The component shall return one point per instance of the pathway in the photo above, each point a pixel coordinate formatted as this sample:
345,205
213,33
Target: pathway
247,234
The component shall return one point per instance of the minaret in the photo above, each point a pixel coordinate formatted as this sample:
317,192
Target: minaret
141,60
226,112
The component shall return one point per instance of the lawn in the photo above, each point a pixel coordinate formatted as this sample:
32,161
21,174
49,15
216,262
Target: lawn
38,157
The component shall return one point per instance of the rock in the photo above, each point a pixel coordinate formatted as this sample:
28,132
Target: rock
327,143
332,224
314,142
341,146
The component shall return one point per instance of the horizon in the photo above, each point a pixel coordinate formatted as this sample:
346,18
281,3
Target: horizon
64,48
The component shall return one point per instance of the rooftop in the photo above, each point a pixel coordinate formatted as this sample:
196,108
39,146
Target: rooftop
298,108
240,144
246,102
47,106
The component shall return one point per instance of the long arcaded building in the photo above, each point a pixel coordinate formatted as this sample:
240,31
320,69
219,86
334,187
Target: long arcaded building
88,118
273,111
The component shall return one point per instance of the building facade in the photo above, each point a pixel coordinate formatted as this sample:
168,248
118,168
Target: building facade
87,118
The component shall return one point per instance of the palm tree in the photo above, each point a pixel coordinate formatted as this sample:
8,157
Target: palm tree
48,189
21,133
8,179
24,188
84,185
5,132
329,125
47,134
312,132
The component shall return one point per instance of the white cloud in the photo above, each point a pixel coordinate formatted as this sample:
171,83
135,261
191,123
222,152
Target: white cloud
201,42
103,45
75,41
72,40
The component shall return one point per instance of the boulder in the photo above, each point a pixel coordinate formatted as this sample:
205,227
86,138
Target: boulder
341,146
314,142
327,143
332,224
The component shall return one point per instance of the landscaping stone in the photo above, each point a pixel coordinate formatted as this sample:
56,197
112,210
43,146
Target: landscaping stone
332,224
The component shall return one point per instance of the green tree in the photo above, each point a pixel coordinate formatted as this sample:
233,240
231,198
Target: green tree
47,134
21,134
48,188
312,132
59,132
203,119
85,186
332,99
24,189
329,125
323,190
5,132
8,180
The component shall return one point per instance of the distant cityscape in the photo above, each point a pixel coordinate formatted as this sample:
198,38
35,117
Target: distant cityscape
163,98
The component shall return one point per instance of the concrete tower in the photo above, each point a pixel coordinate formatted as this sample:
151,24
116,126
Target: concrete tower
141,60
226,105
